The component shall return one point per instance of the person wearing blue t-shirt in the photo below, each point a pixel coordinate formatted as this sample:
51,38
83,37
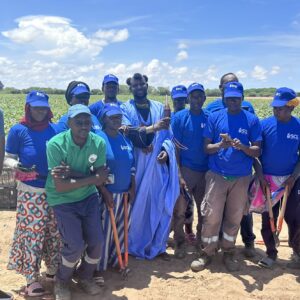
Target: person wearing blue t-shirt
232,140
122,170
219,103
78,92
280,162
110,89
247,233
188,127
180,99
36,236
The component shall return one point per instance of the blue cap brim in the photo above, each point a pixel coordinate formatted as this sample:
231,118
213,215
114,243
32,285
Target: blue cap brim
113,113
80,90
196,89
278,103
110,80
39,104
180,95
73,115
233,95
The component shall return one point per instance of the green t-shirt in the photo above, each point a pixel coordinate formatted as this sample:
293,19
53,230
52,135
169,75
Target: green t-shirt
62,148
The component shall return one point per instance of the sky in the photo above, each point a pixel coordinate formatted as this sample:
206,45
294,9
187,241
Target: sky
50,43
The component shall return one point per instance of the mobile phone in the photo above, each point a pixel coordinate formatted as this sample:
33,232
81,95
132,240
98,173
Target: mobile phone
5,296
110,179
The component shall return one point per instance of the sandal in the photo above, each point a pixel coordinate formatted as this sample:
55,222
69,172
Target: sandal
266,262
98,278
50,277
35,289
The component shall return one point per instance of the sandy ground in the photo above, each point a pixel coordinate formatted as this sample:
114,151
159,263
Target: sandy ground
159,279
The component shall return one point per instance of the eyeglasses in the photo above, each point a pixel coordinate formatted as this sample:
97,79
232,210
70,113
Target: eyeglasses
81,123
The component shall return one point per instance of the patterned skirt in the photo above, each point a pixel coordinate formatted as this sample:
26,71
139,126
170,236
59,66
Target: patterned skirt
36,236
109,253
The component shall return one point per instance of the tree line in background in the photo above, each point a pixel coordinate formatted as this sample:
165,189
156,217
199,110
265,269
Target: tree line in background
159,91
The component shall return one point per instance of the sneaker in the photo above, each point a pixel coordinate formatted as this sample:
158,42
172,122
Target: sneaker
295,261
62,290
231,264
249,251
180,251
89,286
201,263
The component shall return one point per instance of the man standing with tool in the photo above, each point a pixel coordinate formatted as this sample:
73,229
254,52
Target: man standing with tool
232,140
279,163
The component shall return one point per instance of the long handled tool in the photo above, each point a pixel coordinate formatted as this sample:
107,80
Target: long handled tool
123,267
282,211
126,229
271,216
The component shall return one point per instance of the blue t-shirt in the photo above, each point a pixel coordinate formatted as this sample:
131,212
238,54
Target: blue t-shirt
30,146
97,107
281,145
62,125
188,130
218,104
121,164
246,127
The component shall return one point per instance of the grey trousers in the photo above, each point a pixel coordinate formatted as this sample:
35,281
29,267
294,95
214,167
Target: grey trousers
224,200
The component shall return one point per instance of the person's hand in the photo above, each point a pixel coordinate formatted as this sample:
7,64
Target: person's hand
225,144
148,149
25,174
162,157
107,197
124,129
63,171
131,192
101,175
289,183
264,185
237,144
163,123
182,184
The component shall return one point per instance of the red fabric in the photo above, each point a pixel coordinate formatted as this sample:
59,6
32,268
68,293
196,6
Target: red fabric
28,121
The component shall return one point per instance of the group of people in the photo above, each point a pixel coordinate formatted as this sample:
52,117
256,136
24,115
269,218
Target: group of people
74,173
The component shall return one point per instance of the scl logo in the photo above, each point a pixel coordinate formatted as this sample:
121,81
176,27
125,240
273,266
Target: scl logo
243,131
292,136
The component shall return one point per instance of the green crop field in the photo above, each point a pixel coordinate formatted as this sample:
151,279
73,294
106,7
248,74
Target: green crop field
13,106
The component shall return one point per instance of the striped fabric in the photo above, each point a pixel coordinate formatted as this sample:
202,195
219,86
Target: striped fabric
109,254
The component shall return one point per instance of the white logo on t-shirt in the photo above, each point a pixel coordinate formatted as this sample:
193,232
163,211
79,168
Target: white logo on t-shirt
243,131
292,136
125,148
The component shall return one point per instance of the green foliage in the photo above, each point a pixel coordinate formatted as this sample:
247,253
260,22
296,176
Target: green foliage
13,105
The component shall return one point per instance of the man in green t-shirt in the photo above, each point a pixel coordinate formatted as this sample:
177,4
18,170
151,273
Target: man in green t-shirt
76,159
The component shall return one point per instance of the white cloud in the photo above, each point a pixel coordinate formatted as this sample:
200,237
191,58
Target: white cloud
57,37
182,46
259,73
275,70
182,55
241,74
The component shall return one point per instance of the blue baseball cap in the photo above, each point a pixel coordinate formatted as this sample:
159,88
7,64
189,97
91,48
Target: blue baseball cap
111,109
110,78
80,88
194,87
233,89
78,109
179,91
37,98
282,96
